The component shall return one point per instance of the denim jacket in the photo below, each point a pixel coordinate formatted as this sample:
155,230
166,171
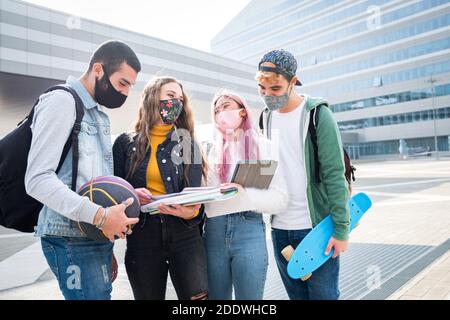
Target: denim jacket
52,124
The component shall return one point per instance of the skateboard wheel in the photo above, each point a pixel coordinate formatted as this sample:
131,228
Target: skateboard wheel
287,252
305,278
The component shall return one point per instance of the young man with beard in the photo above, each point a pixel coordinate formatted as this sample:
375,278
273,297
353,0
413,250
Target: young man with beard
82,266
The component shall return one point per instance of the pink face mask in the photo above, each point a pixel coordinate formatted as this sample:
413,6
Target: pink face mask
229,119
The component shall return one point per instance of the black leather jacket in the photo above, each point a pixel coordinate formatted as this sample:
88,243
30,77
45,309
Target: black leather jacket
172,174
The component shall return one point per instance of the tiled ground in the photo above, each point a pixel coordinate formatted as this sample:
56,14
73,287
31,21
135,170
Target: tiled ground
410,217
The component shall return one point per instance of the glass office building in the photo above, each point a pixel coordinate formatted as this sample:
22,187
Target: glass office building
384,65
40,47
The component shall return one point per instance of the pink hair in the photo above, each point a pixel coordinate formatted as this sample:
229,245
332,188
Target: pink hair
248,149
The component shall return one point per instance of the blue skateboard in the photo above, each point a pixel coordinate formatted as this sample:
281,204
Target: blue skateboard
310,253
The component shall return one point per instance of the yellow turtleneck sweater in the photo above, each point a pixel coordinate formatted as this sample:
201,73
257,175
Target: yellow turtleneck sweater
154,180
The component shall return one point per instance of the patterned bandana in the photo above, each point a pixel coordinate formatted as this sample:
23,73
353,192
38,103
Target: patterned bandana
285,64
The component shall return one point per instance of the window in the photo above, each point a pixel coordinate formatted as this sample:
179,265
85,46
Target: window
416,116
387,120
395,119
377,81
409,117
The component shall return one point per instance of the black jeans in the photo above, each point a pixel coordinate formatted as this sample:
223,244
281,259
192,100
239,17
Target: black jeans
160,244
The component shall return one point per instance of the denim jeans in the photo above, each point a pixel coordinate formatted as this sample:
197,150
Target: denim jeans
82,266
162,244
324,283
237,256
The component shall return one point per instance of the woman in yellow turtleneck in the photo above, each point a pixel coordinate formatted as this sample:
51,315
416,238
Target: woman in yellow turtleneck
154,181
154,161
155,185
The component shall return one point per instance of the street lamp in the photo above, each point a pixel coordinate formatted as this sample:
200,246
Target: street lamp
431,81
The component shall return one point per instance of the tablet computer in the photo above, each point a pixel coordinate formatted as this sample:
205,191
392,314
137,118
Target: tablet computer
254,174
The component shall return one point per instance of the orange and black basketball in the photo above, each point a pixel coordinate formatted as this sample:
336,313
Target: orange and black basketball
108,191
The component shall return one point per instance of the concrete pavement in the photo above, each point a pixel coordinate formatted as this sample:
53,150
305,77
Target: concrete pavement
409,221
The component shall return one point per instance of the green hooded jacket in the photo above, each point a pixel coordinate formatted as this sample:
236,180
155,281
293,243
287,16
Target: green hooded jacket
330,195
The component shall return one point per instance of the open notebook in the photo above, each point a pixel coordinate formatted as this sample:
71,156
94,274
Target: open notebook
191,196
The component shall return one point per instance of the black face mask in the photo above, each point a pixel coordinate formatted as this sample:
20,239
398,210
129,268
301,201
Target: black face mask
106,95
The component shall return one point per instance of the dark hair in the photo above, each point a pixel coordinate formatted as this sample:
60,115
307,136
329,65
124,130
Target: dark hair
112,54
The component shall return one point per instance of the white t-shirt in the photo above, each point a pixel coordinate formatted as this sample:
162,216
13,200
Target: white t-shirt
286,131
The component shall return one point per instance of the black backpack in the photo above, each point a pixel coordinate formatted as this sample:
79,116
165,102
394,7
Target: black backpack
313,119
17,209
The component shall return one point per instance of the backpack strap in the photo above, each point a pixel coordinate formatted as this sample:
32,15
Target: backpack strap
312,129
73,139
349,168
261,122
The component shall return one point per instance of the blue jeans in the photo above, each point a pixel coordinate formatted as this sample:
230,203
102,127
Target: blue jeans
237,256
324,283
82,266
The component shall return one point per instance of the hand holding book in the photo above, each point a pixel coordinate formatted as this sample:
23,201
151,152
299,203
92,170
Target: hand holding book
190,197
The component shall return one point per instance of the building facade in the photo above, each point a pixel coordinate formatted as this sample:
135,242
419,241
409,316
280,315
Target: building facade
384,65
40,47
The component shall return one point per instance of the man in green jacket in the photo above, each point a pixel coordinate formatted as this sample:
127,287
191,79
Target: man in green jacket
285,120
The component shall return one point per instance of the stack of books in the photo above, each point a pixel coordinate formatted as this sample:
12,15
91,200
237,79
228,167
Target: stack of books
190,197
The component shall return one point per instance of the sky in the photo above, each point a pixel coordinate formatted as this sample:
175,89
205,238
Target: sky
192,23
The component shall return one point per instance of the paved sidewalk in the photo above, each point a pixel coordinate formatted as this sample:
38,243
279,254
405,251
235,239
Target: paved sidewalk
405,236
433,283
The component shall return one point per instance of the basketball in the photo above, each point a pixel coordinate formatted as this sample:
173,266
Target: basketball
108,191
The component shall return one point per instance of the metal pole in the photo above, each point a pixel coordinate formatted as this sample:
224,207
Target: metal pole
433,94
432,81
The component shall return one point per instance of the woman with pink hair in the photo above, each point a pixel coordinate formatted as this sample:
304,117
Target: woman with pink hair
234,232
